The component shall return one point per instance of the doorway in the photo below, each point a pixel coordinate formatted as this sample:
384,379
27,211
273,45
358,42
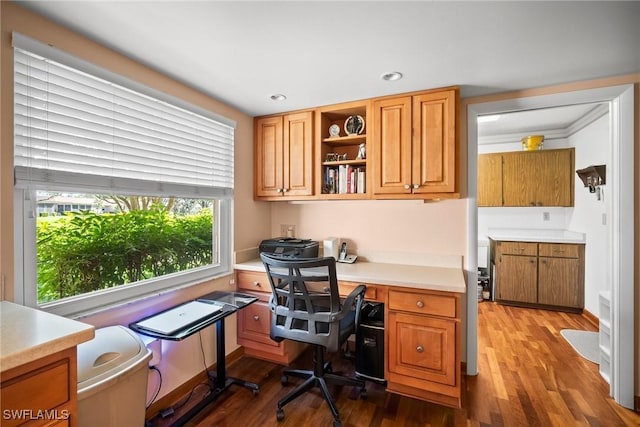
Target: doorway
621,191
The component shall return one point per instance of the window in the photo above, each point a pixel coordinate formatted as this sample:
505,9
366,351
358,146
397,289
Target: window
121,192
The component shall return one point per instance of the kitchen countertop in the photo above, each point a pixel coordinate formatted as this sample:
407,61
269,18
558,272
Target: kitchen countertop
536,235
27,334
377,273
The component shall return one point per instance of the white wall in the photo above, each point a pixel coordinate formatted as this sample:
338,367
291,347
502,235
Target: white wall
593,147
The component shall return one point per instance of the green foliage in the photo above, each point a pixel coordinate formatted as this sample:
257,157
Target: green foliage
85,252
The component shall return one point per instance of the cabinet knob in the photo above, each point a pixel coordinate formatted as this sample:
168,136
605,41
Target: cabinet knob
256,317
416,186
419,349
256,284
278,190
407,187
420,304
325,289
284,190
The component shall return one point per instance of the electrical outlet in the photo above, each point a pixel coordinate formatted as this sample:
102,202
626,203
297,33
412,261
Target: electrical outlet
287,230
546,216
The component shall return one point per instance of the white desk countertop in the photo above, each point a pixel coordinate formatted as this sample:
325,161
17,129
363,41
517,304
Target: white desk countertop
377,273
27,334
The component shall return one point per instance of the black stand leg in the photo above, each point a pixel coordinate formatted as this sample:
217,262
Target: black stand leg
219,379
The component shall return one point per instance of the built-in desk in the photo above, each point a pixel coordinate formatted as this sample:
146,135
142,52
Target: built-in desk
422,323
38,366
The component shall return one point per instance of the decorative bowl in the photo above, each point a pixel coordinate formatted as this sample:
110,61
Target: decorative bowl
532,142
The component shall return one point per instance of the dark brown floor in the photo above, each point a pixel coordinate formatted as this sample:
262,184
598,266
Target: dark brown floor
529,376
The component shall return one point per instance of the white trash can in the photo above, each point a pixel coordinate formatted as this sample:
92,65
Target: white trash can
112,379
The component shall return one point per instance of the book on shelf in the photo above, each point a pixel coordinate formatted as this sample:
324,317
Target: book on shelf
344,179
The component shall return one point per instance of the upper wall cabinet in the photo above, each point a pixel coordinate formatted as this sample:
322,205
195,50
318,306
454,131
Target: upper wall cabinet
526,178
283,150
413,150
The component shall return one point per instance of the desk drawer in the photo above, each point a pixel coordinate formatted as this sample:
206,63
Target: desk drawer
423,303
252,281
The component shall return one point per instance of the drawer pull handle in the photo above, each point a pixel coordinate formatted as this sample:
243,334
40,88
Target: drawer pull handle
256,284
256,317
419,349
420,304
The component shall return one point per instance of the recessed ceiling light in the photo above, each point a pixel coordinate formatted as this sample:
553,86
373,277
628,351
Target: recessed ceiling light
278,97
391,76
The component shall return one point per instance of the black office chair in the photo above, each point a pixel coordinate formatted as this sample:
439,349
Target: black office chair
306,307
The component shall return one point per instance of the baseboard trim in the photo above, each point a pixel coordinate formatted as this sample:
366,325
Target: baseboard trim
179,392
591,318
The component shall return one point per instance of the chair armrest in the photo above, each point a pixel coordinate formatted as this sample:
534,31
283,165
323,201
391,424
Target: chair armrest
356,295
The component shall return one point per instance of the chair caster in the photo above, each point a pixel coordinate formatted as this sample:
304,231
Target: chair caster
279,414
284,380
256,392
337,423
363,393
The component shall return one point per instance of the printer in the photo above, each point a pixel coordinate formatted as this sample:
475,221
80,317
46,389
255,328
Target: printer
290,247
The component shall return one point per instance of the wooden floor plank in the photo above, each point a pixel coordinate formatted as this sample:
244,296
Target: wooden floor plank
528,376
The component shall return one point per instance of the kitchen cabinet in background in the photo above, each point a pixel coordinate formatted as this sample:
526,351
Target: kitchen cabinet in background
526,178
549,275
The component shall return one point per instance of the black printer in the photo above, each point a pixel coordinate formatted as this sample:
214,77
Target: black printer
290,247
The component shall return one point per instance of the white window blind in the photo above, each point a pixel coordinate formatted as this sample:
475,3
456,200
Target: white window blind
77,130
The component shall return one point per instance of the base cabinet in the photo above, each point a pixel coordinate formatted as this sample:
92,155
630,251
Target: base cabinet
423,351
540,274
41,393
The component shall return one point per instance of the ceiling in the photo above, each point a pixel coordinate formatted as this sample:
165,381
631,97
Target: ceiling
324,52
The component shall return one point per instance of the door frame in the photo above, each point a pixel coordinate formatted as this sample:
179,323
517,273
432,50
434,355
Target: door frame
620,227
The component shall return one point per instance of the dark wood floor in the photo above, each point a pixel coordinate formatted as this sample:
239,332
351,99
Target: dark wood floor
528,376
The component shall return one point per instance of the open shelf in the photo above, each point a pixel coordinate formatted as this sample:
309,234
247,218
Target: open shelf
342,179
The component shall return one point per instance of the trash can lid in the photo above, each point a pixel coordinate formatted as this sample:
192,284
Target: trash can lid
112,350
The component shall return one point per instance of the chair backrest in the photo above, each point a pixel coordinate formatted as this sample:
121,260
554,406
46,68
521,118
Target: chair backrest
305,301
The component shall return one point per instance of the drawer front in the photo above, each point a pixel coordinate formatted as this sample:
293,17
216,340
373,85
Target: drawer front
347,287
422,349
254,323
559,250
44,388
518,248
252,281
423,303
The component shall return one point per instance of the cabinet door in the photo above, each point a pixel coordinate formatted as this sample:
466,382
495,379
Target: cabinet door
392,146
538,178
422,349
434,142
490,180
297,151
558,282
517,278
556,184
268,157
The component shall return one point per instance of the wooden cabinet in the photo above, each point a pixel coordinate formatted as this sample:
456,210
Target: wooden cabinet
423,345
490,180
526,178
542,274
43,392
414,145
283,149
